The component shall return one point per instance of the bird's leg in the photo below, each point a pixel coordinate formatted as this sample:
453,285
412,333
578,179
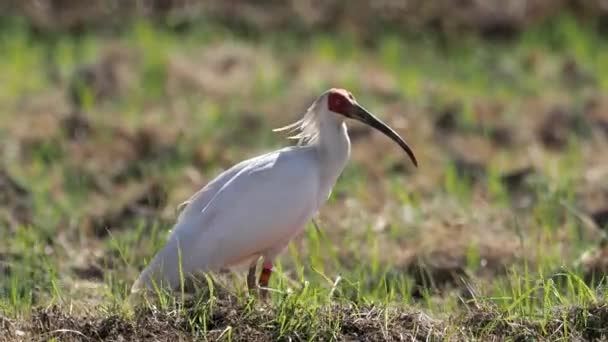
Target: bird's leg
264,279
251,278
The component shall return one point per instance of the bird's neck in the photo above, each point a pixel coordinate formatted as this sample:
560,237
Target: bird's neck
333,147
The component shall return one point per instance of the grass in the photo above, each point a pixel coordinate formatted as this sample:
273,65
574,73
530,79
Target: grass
453,250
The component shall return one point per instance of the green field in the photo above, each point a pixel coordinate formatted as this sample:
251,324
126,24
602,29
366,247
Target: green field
497,235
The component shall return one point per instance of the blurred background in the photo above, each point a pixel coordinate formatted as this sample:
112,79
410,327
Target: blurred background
114,112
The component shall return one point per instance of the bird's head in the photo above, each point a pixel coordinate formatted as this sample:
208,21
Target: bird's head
342,102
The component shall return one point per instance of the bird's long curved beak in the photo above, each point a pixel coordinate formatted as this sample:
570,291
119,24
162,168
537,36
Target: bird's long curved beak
361,114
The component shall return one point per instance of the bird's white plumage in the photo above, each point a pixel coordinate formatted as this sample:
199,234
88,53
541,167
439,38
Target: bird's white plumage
252,209
256,207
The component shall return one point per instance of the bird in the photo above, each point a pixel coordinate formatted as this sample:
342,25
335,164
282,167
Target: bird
252,210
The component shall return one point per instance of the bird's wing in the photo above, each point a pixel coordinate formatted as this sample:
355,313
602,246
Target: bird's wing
262,204
197,202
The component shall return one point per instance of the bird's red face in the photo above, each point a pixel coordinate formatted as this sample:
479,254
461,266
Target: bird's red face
340,101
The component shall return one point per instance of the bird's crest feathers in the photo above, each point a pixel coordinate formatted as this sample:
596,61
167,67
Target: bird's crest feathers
306,129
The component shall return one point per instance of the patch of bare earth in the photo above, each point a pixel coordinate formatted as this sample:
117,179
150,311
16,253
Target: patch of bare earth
365,324
361,324
574,323
15,201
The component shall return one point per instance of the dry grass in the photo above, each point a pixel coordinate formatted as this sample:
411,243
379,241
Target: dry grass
363,18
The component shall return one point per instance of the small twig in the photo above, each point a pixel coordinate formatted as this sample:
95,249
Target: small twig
585,219
67,331
317,227
228,330
334,286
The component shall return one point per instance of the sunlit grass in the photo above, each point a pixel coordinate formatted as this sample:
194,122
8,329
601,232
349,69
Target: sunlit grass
357,270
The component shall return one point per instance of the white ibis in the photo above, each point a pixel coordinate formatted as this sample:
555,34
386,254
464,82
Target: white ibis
254,209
